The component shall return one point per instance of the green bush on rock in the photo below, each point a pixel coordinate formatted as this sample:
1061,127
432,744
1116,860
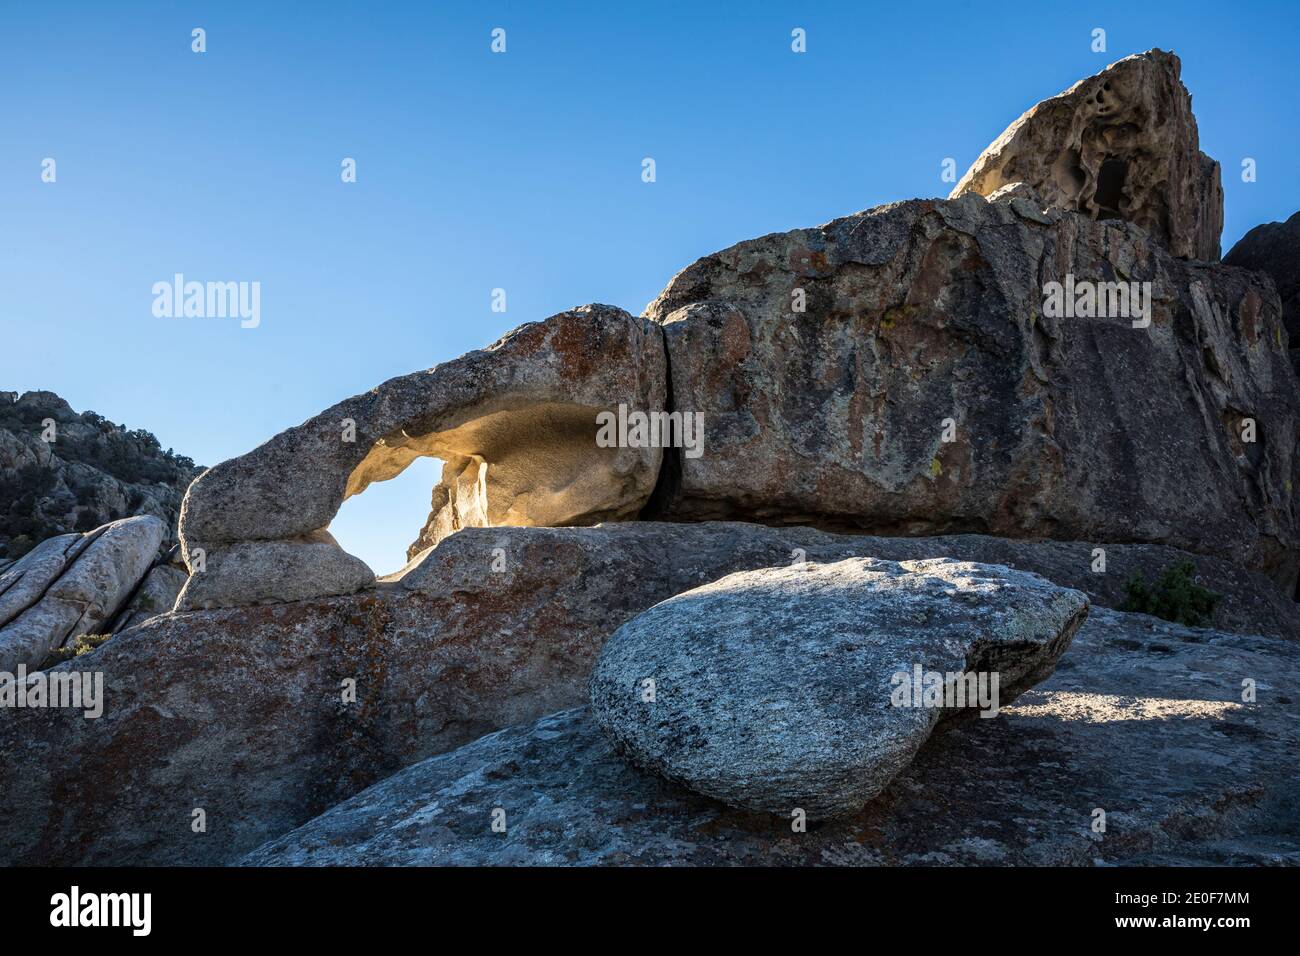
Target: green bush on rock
1174,596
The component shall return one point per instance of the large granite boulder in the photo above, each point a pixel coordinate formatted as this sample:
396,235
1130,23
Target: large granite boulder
1119,145
780,690
1274,249
1138,750
71,585
241,711
521,415
928,387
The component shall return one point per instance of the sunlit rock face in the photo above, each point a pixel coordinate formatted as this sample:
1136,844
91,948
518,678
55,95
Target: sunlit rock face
1119,145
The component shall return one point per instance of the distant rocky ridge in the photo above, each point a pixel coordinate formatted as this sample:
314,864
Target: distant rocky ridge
92,473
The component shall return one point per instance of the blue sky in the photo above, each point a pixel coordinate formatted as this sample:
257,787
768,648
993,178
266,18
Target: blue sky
478,170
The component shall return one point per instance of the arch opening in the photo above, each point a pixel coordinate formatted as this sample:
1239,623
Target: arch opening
513,463
377,526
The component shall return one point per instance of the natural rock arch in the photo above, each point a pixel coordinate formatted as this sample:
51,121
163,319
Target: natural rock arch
518,419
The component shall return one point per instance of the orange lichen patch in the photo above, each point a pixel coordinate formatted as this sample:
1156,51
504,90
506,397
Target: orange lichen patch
578,348
734,339
806,262
757,272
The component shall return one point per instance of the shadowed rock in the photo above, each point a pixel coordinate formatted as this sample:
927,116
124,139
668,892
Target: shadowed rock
1119,145
241,710
1142,718
1274,249
156,594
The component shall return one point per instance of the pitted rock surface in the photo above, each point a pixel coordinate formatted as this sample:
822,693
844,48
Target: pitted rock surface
1119,145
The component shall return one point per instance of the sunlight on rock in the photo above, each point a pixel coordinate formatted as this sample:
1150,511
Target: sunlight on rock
1108,708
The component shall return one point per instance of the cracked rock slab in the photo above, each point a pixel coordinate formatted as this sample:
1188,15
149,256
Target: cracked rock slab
776,689
72,585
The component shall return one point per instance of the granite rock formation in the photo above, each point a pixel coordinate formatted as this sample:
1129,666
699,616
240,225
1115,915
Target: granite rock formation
519,416
926,388
70,585
917,371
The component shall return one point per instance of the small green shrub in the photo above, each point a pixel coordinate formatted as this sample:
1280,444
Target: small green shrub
1174,597
81,644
